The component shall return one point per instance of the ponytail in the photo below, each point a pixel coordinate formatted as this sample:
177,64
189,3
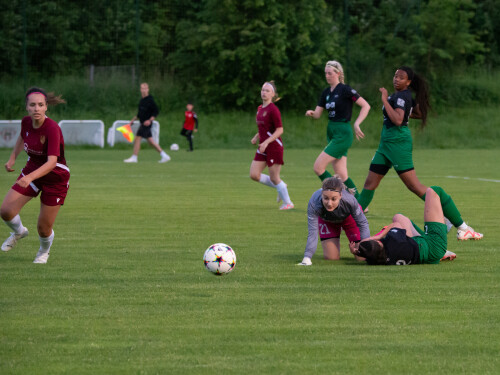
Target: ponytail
50,97
421,88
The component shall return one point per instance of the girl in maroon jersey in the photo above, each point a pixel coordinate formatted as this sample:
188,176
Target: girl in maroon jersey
45,172
270,149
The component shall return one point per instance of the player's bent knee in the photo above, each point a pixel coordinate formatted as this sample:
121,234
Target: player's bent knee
255,177
398,218
332,257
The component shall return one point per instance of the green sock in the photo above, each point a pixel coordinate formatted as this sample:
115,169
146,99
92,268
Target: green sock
350,185
365,197
450,211
325,174
419,230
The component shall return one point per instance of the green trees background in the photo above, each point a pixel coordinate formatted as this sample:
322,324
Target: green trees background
220,51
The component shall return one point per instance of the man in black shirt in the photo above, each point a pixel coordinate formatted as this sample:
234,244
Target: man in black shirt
402,243
148,111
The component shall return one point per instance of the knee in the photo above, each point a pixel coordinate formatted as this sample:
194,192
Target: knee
44,230
6,214
318,169
331,257
255,176
397,218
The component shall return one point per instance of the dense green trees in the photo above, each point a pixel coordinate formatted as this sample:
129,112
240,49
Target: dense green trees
220,51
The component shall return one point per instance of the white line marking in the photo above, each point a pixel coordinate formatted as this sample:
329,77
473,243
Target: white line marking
469,178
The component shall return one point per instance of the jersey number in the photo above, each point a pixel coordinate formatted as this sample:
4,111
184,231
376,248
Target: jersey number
323,229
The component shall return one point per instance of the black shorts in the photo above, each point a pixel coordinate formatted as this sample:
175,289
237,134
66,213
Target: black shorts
186,133
144,131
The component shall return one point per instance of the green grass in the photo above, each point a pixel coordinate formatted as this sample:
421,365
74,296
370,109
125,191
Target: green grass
125,291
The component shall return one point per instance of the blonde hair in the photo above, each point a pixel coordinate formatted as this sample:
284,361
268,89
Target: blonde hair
273,85
335,65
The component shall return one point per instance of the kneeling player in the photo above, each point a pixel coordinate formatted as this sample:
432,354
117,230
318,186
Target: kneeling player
331,209
401,242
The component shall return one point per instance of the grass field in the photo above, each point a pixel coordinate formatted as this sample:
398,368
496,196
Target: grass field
125,291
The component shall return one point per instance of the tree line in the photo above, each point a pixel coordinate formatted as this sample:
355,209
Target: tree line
221,51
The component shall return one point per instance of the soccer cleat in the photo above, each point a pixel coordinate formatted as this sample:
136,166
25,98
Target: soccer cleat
449,225
305,262
42,256
287,206
132,159
164,159
449,255
468,234
10,242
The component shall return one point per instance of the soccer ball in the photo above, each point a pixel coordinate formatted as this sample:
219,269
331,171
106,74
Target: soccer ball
219,258
174,147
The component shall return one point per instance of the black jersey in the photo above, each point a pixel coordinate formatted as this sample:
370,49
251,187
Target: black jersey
400,249
147,109
402,100
338,102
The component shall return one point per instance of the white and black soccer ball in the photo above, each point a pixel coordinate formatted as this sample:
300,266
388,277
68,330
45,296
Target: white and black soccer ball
219,259
174,147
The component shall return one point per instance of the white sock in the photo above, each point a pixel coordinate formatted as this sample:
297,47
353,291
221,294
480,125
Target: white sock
463,226
15,224
163,154
266,180
283,192
46,242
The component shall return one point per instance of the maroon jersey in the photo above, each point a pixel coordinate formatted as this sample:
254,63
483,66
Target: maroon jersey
190,120
42,142
268,119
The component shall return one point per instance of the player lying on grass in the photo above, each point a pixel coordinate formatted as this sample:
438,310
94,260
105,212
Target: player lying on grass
332,208
402,243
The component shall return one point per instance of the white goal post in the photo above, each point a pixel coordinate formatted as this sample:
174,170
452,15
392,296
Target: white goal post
114,136
83,132
9,132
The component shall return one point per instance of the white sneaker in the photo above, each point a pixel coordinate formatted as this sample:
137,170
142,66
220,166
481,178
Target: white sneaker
164,159
305,262
449,225
10,242
449,255
132,159
42,256
468,234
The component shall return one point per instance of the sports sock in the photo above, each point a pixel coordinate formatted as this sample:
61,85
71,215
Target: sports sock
365,197
266,180
46,242
325,174
283,192
163,154
15,224
450,210
350,185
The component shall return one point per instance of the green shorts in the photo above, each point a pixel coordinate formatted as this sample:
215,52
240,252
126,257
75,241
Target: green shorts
339,136
395,154
432,245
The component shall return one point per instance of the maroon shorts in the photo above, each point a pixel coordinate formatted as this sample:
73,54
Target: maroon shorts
273,155
53,186
329,230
